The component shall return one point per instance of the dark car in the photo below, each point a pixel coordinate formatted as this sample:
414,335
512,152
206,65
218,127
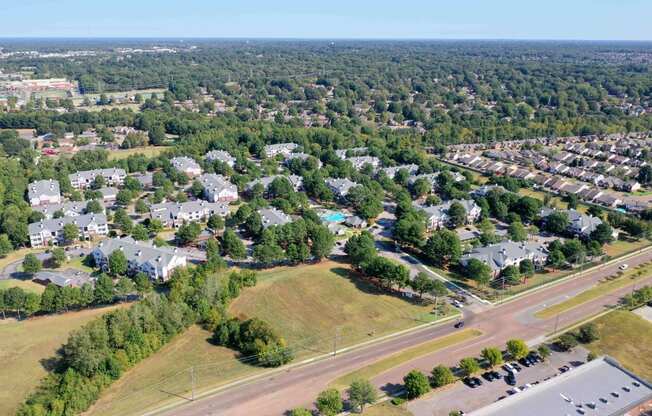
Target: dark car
488,376
533,356
469,381
510,379
524,361
496,375
564,368
460,324
517,367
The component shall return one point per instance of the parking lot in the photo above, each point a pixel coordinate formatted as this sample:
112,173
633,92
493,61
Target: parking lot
461,397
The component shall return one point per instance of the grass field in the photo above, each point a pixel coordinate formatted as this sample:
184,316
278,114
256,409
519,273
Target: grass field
601,289
305,304
311,305
556,201
621,247
17,255
149,151
404,356
23,284
25,347
628,338
165,376
386,409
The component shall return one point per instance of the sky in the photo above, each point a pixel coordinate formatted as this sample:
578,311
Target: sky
330,19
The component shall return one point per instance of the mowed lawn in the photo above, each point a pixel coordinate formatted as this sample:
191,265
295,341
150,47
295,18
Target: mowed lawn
26,345
317,306
628,338
27,285
149,151
165,376
305,304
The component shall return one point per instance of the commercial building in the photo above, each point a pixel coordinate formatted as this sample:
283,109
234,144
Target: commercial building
598,388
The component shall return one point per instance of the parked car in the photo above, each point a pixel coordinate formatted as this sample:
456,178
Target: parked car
517,367
472,382
564,369
525,362
488,376
514,390
510,379
460,324
496,375
509,368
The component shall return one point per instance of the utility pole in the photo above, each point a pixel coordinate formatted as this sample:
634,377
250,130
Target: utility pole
192,383
337,334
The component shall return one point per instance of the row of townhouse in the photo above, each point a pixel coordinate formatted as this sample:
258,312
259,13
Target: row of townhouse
580,225
284,149
340,186
43,192
63,209
158,263
295,181
273,217
83,179
186,165
437,215
46,232
174,214
218,188
507,253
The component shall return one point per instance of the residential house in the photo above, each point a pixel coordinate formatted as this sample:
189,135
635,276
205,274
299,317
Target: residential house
340,186
354,151
44,232
391,172
68,209
217,188
83,179
272,216
283,149
146,179
302,156
485,189
221,156
174,214
158,263
354,221
294,180
43,192
507,253
108,193
186,165
437,215
360,162
63,278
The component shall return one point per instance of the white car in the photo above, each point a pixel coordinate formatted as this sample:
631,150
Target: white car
457,303
623,266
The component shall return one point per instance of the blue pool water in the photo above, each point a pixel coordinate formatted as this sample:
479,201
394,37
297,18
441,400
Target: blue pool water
334,217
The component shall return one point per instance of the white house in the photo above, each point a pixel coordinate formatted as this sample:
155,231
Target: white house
508,253
437,215
43,192
221,156
158,263
217,188
284,149
174,214
83,179
186,165
51,231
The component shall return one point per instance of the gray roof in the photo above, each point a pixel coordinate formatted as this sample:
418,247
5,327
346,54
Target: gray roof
485,189
54,225
48,211
220,155
432,177
273,216
171,210
441,210
412,169
184,163
89,175
48,187
215,183
341,153
108,191
146,179
341,186
134,251
355,221
280,147
579,223
294,180
498,256
67,277
583,390
359,162
302,156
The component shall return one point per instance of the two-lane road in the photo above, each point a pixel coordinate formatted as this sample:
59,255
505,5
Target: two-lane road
275,394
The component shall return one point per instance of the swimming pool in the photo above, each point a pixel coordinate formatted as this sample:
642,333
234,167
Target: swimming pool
334,217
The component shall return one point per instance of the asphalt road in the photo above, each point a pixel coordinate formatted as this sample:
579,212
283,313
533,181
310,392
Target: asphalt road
275,394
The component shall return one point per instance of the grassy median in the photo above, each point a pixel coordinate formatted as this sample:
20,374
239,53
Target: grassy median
404,356
602,288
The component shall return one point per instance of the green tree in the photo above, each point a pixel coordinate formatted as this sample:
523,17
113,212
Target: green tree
5,245
441,376
103,292
360,248
421,284
300,411
117,263
478,271
603,233
94,207
232,245
124,287
557,222
31,264
469,366
443,248
140,233
361,393
566,342
493,356
517,348
215,222
70,233
141,207
517,231
526,267
456,215
143,284
58,257
544,351
329,402
187,233
588,333
416,384
511,275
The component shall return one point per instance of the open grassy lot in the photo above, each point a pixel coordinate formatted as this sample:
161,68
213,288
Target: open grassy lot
166,375
601,289
17,255
556,201
314,306
25,347
23,284
386,409
399,358
628,338
149,151
305,303
621,247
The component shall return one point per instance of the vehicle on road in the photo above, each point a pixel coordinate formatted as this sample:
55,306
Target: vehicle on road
623,266
457,303
459,325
